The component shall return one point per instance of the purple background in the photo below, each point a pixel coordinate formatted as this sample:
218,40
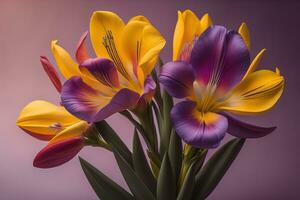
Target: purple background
267,168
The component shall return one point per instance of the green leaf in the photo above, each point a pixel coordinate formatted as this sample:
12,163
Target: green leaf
112,138
141,165
187,187
175,155
213,171
166,186
166,126
105,188
135,184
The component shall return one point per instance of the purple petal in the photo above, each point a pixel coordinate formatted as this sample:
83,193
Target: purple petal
149,91
177,77
124,99
80,99
103,70
200,131
221,57
241,129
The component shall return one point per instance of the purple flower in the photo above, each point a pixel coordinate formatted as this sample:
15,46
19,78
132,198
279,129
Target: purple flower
218,78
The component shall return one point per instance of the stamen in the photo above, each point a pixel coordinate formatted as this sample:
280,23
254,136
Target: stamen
109,44
56,126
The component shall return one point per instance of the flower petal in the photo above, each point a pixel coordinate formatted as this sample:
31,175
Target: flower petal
51,72
102,22
82,100
255,94
245,33
81,52
241,129
142,43
205,22
73,131
149,91
220,56
101,69
254,64
124,99
66,64
177,77
44,120
185,31
198,129
58,153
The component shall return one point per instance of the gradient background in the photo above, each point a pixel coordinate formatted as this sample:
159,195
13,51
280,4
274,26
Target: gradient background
266,168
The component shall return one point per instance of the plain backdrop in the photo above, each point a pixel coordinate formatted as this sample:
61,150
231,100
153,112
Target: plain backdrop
266,168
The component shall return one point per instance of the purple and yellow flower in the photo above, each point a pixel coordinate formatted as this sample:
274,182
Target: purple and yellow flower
64,132
212,72
119,78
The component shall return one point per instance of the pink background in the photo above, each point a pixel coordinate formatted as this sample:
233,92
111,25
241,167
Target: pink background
266,168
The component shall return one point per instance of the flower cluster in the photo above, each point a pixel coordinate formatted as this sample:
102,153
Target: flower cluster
212,75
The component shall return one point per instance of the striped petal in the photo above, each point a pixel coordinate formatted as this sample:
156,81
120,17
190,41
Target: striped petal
90,105
82,100
124,99
241,129
257,93
44,120
81,52
149,91
58,153
177,77
101,69
220,57
51,72
203,130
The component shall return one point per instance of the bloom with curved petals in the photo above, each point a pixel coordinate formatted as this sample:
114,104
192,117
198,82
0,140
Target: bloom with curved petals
217,78
45,121
119,78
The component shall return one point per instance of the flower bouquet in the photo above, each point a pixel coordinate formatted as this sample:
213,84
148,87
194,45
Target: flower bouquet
211,75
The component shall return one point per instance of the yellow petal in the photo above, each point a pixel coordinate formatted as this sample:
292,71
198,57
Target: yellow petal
102,22
72,131
244,32
205,22
44,118
142,43
255,94
66,64
139,18
254,64
178,36
185,31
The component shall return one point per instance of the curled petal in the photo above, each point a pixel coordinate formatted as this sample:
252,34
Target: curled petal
177,77
245,33
241,129
67,66
124,99
73,131
90,105
82,100
220,57
149,91
58,153
204,130
44,120
101,69
254,64
51,72
257,93
185,31
81,52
